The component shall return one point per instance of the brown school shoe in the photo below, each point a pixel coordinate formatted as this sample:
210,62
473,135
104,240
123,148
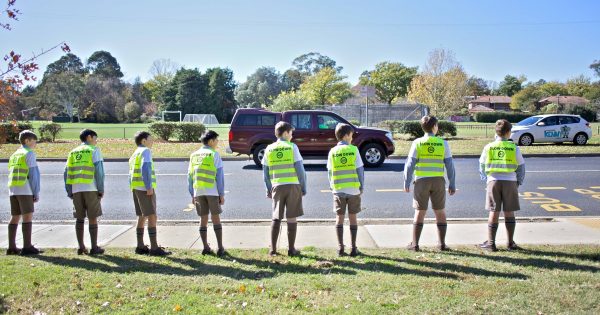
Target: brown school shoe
221,252
13,251
412,247
142,250
491,247
30,251
273,253
444,248
354,252
160,251
513,246
82,251
207,251
292,252
96,251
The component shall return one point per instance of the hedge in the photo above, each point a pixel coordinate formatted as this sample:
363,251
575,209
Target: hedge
586,112
413,127
9,131
163,130
492,117
189,131
49,131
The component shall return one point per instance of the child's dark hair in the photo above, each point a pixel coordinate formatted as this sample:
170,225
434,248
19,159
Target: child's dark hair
428,122
141,135
341,130
503,127
282,127
85,133
207,136
26,135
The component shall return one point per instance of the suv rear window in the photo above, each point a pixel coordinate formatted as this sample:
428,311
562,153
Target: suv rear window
565,120
301,121
256,120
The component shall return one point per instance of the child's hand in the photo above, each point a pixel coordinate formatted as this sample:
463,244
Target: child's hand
221,200
36,199
150,192
451,191
407,189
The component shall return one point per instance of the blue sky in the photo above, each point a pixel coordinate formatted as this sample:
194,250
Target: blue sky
554,40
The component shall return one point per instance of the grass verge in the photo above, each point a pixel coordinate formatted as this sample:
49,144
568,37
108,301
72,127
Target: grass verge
541,279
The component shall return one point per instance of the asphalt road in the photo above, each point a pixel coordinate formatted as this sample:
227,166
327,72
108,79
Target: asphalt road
559,186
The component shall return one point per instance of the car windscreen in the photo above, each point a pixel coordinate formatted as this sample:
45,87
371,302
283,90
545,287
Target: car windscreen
528,121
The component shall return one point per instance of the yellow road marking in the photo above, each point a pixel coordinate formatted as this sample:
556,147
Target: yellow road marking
595,187
325,190
551,187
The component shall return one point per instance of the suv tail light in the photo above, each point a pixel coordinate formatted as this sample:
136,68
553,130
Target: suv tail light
230,135
588,125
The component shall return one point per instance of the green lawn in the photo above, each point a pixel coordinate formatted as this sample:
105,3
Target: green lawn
539,280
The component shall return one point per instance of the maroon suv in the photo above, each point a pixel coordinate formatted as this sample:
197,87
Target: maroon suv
253,129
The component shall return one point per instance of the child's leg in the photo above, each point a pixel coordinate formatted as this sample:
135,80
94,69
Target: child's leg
216,221
353,228
139,231
339,230
418,225
152,219
292,226
12,231
79,230
510,222
93,229
204,230
493,226
442,225
26,227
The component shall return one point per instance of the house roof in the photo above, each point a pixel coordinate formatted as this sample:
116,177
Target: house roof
480,108
564,99
491,99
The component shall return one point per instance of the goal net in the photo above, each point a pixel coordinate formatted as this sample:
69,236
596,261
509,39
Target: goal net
205,119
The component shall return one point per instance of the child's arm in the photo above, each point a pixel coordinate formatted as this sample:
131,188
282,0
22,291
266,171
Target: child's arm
482,160
221,182
147,169
68,187
34,175
267,180
521,168
299,166
361,177
99,176
409,167
450,171
190,180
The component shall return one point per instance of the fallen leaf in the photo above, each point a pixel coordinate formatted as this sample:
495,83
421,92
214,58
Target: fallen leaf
242,288
177,308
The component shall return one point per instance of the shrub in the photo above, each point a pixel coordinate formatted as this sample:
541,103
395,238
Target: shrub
413,127
133,111
354,122
189,131
586,112
49,131
492,117
163,130
9,131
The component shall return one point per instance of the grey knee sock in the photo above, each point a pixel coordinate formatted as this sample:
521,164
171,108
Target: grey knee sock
417,229
353,233
79,232
339,231
275,227
93,235
204,236
139,232
219,234
12,236
26,230
292,228
152,235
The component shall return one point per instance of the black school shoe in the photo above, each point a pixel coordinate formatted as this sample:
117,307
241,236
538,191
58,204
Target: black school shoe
160,251
142,250
30,251
273,253
513,246
412,247
444,248
293,252
96,251
82,251
354,252
221,252
491,247
207,251
13,251
341,252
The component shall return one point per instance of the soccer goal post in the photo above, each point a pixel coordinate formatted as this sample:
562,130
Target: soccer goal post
171,112
205,119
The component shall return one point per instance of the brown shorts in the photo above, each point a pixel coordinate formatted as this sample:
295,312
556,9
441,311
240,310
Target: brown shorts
87,204
340,203
207,204
433,188
144,205
21,204
502,195
287,199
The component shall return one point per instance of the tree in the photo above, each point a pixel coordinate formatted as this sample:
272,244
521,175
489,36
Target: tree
391,80
326,87
525,99
596,67
163,67
186,92
510,85
579,86
442,85
155,89
292,79
260,88
220,97
103,100
291,100
133,111
67,63
313,62
61,92
553,88
477,87
102,63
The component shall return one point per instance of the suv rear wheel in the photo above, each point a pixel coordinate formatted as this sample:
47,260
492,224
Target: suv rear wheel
580,139
258,154
372,155
526,140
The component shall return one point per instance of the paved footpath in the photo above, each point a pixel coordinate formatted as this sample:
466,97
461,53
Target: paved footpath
557,231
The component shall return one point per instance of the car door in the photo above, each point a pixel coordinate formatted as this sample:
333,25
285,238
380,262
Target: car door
548,130
305,132
326,131
569,126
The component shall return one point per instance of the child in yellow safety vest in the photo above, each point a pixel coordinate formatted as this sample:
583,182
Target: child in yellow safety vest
84,183
24,191
285,180
429,156
345,171
206,184
142,182
502,167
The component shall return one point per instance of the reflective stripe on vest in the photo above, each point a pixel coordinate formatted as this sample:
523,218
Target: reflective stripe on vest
80,165
135,170
343,163
280,159
430,157
501,157
203,169
17,168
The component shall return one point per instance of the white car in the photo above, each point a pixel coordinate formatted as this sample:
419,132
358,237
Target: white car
556,128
